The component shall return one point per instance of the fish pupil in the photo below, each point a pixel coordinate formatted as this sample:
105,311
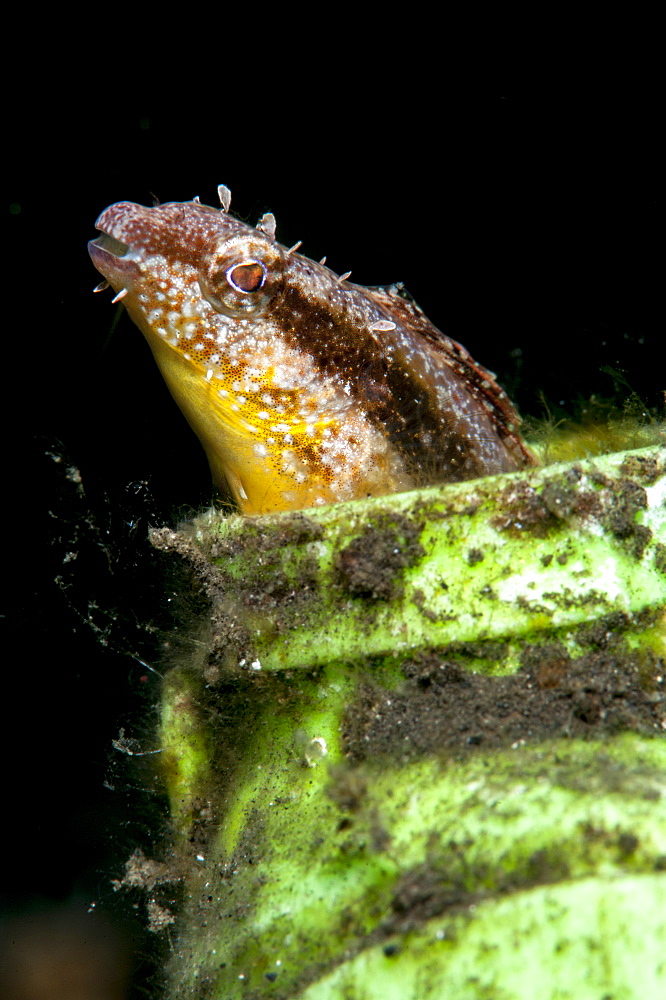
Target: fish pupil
246,277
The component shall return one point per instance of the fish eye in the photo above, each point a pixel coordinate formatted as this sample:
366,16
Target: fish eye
241,276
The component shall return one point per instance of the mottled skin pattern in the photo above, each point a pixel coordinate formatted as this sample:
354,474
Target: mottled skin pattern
303,388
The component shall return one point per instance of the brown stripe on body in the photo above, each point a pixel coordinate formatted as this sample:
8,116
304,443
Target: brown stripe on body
394,398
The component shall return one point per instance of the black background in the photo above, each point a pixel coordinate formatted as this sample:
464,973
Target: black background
524,223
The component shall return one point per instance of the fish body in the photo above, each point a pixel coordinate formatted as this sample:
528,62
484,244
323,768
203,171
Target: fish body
303,388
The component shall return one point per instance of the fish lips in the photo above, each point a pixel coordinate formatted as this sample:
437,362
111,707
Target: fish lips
108,256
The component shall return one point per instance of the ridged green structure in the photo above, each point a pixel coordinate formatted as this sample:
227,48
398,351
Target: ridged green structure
421,751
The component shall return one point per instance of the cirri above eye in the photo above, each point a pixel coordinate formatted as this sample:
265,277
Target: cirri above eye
242,275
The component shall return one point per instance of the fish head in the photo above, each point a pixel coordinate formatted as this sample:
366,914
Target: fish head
186,252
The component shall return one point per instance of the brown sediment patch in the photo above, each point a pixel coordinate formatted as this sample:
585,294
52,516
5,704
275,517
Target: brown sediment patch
371,564
443,708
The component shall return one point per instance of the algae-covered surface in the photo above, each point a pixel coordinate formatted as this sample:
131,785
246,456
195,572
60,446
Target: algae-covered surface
575,941
508,557
421,750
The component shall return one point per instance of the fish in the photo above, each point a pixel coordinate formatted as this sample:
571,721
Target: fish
303,388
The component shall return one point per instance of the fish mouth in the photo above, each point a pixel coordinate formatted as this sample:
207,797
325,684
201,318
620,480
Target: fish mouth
110,244
109,257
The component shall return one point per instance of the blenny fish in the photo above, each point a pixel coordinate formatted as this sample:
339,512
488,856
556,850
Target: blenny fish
302,387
